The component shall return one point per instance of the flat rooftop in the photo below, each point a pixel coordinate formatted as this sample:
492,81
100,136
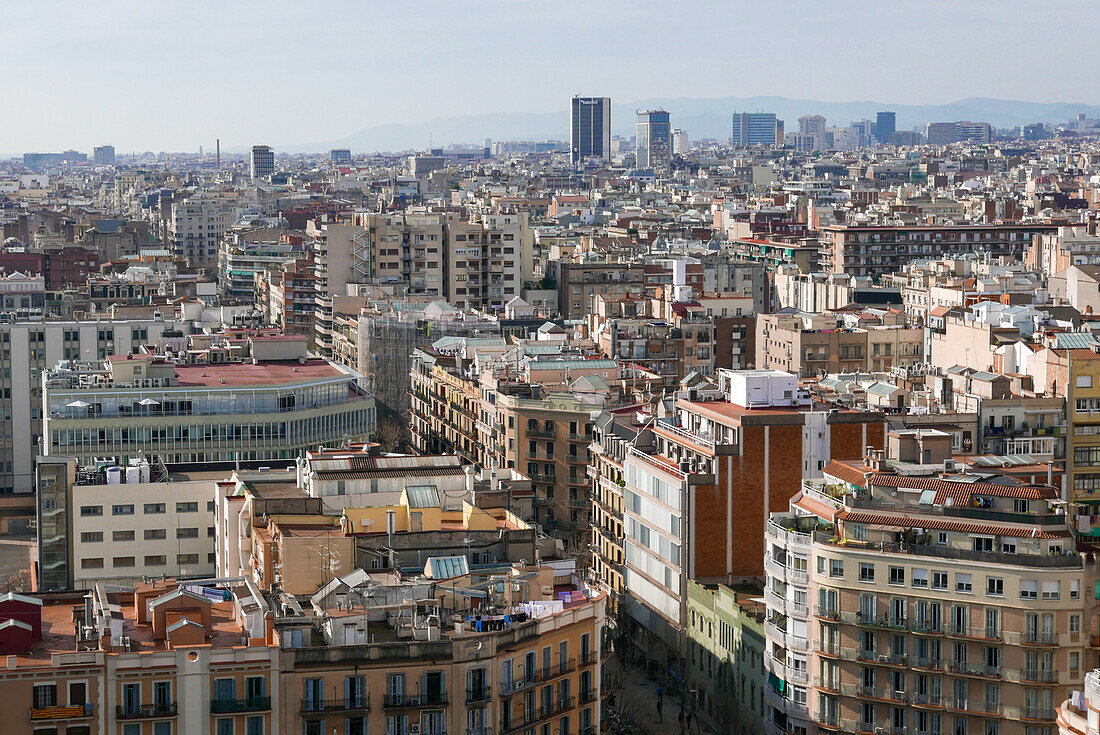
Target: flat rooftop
264,374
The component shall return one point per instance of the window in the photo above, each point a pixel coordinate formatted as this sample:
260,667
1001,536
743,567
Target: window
91,563
1020,505
1074,589
224,726
156,560
983,543
1084,381
187,507
162,728
254,725
91,510
45,695
122,510
122,535
122,561
91,537
866,572
187,558
1052,590
1008,547
152,508
897,575
836,567
154,534
994,586
1029,589
187,533
941,538
963,582
920,578
939,580
822,564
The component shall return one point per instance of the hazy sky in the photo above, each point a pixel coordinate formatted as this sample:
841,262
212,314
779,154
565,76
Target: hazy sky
159,75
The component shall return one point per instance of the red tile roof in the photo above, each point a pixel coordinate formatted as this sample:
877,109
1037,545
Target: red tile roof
940,524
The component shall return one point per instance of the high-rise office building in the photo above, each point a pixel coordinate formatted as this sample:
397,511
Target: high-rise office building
654,140
340,155
811,132
104,155
756,128
590,128
680,142
263,161
886,124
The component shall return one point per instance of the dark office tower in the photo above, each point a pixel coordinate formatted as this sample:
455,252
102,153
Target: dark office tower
886,123
104,155
756,128
340,155
590,128
262,161
654,140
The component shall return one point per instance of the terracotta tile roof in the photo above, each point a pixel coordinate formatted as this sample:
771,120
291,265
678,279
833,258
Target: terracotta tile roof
816,507
852,473
961,492
940,524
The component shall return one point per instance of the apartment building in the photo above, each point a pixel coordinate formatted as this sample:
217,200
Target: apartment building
865,250
118,525
1077,715
240,262
489,257
578,282
29,348
611,439
514,422
273,407
342,255
814,344
285,293
902,596
112,663
695,504
198,225
725,658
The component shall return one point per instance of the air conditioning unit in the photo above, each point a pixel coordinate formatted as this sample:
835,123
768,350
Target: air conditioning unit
146,711
414,729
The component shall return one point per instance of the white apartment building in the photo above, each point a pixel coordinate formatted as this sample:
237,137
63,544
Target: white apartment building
198,225
27,349
125,524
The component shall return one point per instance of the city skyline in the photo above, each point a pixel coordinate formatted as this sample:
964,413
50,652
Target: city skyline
165,78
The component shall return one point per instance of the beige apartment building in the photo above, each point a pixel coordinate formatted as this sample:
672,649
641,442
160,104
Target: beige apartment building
790,343
913,600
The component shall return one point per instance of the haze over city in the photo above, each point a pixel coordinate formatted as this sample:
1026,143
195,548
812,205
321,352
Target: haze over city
162,76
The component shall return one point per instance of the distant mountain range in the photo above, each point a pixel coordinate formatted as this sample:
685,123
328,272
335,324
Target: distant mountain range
701,118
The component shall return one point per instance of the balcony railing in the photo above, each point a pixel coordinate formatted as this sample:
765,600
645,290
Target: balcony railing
250,704
162,709
1045,676
478,694
397,701
336,704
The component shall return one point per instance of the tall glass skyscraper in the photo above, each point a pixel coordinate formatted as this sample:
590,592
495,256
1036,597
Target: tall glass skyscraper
654,140
590,128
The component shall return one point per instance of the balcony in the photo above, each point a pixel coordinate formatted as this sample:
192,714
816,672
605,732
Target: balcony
976,633
335,704
478,694
407,701
1042,676
968,669
250,704
55,712
588,695
1039,713
145,711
